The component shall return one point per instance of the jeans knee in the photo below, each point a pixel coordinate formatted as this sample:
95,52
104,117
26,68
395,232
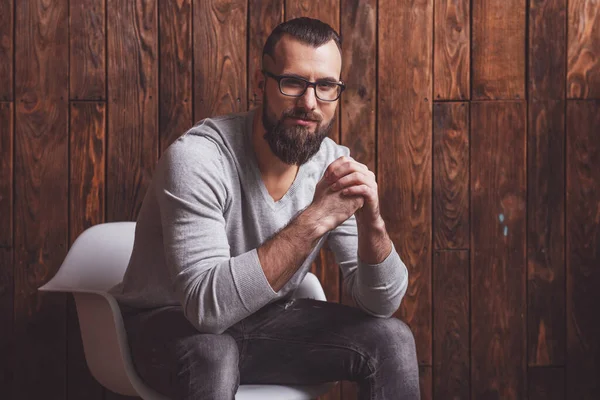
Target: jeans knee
212,364
218,354
401,332
393,339
388,367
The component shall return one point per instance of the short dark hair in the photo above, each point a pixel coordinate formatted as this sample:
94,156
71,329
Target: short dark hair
312,32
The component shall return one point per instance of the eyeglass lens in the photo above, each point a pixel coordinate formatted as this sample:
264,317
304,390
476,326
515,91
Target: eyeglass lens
297,87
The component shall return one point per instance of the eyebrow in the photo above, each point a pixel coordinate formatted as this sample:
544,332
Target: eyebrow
326,79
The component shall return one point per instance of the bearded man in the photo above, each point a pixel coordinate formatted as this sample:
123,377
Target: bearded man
238,209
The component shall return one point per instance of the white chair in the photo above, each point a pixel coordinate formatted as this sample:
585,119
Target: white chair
95,263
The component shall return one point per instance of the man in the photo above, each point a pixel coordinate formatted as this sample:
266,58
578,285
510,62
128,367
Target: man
238,209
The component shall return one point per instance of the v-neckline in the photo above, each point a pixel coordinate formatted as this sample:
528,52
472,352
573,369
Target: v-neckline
258,177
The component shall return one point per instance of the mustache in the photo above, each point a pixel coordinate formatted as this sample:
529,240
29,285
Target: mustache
300,114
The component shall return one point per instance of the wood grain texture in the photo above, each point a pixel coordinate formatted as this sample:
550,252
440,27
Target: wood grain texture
498,49
547,49
451,175
175,81
451,53
87,162
425,382
87,57
6,50
451,324
133,104
358,106
546,233
327,11
583,250
404,152
86,199
359,69
219,41
40,196
6,177
6,247
583,53
264,16
498,277
546,383
325,268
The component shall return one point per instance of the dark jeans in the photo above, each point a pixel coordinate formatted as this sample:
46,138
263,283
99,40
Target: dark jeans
296,342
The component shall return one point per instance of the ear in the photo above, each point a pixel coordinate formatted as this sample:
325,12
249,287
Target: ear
259,88
259,80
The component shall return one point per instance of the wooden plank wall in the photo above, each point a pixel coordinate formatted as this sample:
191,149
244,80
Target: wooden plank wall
481,119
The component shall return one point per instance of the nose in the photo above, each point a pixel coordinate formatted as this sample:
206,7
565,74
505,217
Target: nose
308,100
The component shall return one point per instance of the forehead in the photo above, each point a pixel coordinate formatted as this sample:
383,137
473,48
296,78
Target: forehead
295,57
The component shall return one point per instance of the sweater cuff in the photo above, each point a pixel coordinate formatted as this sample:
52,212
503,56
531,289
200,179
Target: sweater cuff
382,276
250,281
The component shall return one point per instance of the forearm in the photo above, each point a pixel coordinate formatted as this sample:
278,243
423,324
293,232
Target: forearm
374,244
219,295
282,255
377,278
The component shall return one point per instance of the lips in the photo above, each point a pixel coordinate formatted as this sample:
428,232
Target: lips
302,121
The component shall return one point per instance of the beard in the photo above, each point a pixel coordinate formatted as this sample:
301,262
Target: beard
294,145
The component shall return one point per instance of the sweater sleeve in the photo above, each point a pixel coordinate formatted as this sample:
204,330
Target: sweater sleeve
377,289
214,289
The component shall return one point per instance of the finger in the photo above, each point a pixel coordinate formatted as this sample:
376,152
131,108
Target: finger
365,191
353,179
345,162
344,166
335,165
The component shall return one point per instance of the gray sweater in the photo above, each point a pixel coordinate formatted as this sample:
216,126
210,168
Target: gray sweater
205,214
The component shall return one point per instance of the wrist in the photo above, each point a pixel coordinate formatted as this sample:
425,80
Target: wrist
311,223
374,243
372,226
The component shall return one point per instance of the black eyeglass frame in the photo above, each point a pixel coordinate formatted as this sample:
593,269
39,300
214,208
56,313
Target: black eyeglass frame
308,83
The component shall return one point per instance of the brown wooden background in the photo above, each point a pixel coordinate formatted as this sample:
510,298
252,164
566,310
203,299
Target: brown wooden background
480,117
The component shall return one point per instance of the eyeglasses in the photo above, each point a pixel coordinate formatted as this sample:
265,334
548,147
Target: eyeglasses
294,86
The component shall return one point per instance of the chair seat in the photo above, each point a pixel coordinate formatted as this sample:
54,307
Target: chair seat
278,392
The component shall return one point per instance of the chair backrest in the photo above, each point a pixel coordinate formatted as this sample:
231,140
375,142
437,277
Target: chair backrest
97,260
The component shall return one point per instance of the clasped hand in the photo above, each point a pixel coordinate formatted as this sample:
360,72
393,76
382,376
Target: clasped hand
348,187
